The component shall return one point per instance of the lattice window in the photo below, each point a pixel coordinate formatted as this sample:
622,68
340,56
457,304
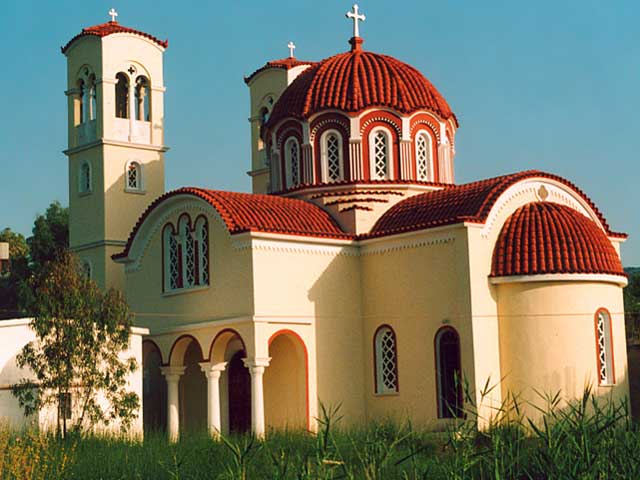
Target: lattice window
134,176
189,254
380,155
85,178
386,361
292,157
423,157
172,260
604,347
333,158
86,270
202,232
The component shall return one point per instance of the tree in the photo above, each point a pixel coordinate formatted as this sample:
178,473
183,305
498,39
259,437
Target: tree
50,235
81,333
19,257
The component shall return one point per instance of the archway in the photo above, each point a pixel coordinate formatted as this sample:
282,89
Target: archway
286,383
448,373
154,389
239,385
192,387
235,382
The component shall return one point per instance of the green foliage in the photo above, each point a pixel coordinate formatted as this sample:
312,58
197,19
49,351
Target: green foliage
80,332
28,257
632,304
10,284
586,439
50,235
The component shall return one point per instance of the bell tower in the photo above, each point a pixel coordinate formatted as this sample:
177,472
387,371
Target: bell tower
115,140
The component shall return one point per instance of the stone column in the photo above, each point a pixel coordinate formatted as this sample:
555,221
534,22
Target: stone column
256,367
213,372
172,376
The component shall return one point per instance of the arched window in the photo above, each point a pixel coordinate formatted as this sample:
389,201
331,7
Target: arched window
386,361
143,109
424,161
172,260
380,160
292,161
134,176
604,347
84,178
331,156
202,242
93,100
186,254
82,102
122,95
448,373
87,270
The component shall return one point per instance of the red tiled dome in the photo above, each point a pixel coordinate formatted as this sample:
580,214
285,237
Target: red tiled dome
357,80
543,237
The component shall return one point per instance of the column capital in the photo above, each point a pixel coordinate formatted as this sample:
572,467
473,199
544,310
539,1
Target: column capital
255,364
213,370
172,373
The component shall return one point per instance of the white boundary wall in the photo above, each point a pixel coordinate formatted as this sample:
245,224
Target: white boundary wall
15,334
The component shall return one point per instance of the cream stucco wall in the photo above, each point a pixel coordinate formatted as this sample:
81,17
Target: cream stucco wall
416,284
548,342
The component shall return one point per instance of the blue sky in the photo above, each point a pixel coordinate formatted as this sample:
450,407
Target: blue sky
548,85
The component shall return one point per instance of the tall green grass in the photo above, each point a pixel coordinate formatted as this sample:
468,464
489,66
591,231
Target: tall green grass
585,439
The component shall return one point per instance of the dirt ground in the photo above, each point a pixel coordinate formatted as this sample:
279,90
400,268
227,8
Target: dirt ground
633,358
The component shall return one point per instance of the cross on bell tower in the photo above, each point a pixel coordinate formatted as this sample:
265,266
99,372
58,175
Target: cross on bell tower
291,46
356,17
113,14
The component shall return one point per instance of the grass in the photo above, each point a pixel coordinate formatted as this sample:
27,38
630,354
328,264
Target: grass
582,440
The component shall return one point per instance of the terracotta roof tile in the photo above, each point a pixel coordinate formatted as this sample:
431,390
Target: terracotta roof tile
244,212
469,202
543,237
356,80
109,28
283,64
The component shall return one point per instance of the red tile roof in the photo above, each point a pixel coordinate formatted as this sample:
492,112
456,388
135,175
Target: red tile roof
544,237
283,64
470,202
244,212
356,80
109,28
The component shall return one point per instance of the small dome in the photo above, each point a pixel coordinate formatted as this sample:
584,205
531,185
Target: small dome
357,80
543,237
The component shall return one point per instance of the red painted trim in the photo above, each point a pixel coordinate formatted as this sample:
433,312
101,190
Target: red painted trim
155,345
439,332
306,365
595,325
375,359
221,332
181,337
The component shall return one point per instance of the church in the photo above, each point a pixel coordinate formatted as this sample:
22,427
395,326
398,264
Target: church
357,273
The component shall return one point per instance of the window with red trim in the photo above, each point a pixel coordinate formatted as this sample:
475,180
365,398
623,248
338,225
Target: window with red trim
604,348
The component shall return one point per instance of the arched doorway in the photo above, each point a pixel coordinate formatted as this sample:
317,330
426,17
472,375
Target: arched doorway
239,394
235,381
192,386
286,383
448,373
154,390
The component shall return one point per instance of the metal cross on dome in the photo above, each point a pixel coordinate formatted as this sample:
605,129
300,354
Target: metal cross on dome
113,14
357,17
291,46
